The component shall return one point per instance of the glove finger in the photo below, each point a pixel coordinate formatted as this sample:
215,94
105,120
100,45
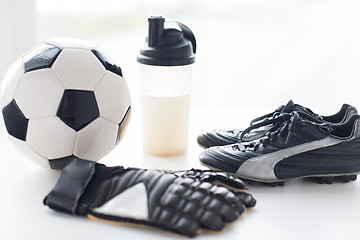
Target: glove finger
217,178
231,198
224,208
225,180
211,220
246,198
189,226
215,206
175,221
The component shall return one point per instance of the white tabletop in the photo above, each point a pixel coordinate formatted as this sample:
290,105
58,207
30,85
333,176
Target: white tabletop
299,210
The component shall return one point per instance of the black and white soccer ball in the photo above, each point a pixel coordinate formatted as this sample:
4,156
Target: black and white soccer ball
65,99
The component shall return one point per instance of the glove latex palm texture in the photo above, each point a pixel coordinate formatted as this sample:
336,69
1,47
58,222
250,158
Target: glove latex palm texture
182,202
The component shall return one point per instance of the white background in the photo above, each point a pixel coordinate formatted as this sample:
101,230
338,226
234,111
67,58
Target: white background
252,57
252,53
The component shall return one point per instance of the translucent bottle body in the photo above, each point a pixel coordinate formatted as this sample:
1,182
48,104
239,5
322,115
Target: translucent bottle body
165,94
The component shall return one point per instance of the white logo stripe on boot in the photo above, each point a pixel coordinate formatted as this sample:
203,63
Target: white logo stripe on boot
262,167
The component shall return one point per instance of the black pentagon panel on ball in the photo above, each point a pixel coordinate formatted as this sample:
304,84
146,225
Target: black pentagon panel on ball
78,108
15,121
107,64
122,125
41,57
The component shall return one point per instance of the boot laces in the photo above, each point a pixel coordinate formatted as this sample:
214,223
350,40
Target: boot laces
283,125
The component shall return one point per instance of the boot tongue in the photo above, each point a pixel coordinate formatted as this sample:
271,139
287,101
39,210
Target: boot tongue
325,127
288,108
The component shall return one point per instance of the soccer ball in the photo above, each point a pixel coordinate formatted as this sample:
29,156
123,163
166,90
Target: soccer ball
65,99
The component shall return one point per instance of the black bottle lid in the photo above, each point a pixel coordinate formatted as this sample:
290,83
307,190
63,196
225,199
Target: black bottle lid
167,46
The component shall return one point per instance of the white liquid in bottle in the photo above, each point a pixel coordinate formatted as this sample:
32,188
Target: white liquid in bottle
165,122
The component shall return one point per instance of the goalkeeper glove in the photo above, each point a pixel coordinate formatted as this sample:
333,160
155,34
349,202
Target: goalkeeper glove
182,204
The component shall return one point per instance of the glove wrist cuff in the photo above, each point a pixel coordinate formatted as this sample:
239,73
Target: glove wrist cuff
71,185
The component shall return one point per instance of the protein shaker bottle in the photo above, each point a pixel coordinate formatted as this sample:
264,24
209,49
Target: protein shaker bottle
166,74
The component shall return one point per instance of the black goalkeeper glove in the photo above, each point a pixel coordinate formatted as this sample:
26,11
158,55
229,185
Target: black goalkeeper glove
181,204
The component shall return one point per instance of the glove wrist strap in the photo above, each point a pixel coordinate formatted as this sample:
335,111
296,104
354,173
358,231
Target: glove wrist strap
71,185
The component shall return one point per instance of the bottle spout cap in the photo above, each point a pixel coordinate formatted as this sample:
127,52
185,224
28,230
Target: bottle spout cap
156,28
167,46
